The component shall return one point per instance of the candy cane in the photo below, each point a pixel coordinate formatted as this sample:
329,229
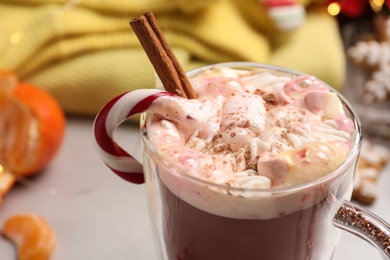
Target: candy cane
107,121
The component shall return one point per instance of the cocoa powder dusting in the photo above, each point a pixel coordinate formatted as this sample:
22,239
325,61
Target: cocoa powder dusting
269,98
259,92
246,124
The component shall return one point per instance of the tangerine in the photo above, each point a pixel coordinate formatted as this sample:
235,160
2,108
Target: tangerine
33,236
32,127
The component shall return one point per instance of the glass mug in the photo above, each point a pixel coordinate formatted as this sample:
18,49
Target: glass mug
195,219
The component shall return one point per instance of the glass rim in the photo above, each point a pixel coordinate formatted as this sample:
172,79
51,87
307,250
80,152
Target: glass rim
350,159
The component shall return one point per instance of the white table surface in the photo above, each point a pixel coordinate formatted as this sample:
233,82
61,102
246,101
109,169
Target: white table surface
97,215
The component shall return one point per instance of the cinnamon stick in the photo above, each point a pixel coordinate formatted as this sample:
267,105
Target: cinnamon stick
161,56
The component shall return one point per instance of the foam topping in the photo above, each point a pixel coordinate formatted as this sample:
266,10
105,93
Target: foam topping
253,129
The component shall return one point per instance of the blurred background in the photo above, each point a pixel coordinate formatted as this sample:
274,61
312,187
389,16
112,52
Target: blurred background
84,53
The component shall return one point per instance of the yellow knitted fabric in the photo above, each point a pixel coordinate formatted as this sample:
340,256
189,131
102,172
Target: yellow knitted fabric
85,53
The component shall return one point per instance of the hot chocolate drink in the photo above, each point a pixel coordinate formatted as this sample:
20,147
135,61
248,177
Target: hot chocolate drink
225,160
249,169
191,233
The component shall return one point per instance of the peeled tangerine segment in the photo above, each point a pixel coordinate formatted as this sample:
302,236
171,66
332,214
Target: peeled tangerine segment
19,132
33,236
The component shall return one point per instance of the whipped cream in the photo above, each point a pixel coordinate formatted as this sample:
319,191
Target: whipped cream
252,129
244,120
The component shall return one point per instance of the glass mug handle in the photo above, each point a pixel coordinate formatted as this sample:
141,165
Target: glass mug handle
348,217
364,224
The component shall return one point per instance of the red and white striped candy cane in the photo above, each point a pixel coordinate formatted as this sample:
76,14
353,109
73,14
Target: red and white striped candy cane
107,121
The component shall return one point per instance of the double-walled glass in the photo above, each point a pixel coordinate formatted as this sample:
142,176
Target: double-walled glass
196,219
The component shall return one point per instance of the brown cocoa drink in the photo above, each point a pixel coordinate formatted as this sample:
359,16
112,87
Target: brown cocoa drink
193,234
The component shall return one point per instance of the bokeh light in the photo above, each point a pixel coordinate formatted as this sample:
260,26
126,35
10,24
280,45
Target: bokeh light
376,5
334,8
